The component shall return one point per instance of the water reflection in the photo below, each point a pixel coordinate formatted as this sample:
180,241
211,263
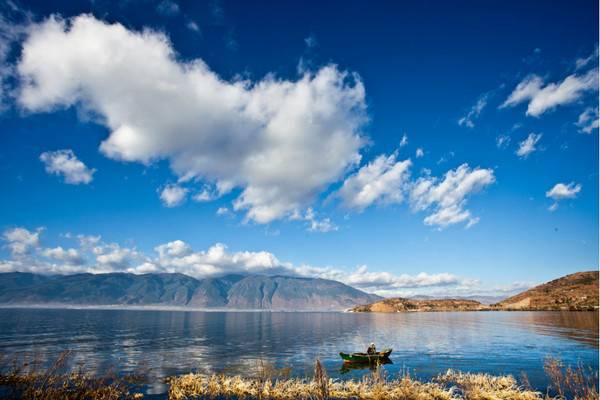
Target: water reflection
172,342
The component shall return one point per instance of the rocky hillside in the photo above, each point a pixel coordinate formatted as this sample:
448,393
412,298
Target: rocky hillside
177,290
400,304
577,291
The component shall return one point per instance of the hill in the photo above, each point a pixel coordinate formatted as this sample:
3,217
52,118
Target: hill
577,291
177,290
399,304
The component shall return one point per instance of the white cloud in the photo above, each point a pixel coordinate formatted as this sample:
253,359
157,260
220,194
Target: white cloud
21,241
502,141
65,163
403,141
380,181
173,195
448,197
561,191
265,137
318,225
588,120
419,153
468,120
223,211
112,257
527,146
546,98
206,194
176,248
68,256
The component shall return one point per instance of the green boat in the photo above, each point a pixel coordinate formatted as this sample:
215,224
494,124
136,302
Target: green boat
366,358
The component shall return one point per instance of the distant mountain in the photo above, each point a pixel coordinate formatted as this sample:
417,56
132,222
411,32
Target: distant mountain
577,291
177,290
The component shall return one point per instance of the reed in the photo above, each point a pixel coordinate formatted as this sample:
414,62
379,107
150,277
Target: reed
26,379
577,384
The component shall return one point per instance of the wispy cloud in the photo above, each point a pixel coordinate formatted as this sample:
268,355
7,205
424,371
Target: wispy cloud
64,163
588,120
502,141
528,146
546,97
469,119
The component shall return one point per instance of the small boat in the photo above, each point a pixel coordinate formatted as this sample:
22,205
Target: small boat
366,358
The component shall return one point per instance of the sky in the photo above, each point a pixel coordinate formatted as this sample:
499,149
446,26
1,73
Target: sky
417,147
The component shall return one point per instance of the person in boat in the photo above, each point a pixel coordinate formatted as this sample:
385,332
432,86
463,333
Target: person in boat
371,349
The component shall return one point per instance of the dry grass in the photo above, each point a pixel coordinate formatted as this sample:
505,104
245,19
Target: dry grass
577,383
27,380
569,383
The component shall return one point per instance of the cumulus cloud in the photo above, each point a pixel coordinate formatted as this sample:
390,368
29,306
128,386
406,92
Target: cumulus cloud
21,241
562,191
542,98
173,195
68,256
528,146
419,153
380,181
447,197
265,137
469,119
64,163
112,257
588,120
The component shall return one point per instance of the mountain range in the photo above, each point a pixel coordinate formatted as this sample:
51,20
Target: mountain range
241,292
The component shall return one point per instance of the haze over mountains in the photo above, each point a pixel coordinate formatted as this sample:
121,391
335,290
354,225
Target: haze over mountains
250,292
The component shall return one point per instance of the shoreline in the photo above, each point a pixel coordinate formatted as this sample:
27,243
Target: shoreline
119,307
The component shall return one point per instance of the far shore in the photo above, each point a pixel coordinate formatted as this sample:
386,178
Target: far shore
117,307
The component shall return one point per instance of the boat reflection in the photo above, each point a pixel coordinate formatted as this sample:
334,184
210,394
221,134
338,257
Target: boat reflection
347,367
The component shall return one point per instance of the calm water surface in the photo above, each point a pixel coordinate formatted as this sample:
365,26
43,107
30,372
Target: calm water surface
174,342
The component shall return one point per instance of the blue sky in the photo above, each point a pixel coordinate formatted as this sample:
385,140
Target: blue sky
418,147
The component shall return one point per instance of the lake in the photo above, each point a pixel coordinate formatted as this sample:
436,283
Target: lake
425,344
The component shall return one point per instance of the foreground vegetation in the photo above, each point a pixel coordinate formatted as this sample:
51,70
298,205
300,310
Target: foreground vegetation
570,383
26,380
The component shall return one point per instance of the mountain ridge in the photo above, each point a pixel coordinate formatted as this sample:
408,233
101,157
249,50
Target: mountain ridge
243,292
